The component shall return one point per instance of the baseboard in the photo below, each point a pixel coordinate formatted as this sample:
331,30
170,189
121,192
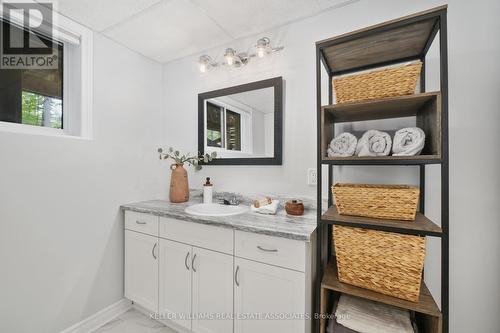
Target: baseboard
168,323
100,318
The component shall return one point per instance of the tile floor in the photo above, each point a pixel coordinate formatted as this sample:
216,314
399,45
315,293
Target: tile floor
134,321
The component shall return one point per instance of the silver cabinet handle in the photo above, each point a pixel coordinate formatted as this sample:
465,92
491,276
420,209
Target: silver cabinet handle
153,251
186,261
236,276
266,250
140,222
192,263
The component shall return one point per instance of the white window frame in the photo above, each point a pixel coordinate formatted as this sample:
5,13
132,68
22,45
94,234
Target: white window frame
246,114
77,82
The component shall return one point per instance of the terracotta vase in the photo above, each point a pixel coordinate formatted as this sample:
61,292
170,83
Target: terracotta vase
179,187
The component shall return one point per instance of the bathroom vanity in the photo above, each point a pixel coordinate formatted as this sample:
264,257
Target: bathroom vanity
244,273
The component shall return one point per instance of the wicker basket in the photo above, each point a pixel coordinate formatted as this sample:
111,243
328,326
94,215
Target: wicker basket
395,202
385,262
395,81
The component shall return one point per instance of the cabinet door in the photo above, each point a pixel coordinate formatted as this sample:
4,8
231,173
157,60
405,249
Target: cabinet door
141,269
212,291
175,282
270,292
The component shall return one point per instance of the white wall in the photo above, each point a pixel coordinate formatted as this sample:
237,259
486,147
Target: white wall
258,133
269,134
61,230
474,82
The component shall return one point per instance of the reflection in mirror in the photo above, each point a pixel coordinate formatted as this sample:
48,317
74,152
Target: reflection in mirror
241,125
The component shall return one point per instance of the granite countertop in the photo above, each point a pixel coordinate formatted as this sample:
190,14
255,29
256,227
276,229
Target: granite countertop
280,225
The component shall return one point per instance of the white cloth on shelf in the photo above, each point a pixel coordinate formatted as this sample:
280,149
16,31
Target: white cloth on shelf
367,316
408,141
374,143
343,145
269,209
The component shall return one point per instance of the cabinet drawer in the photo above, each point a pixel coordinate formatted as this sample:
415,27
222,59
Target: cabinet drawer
145,223
201,235
271,250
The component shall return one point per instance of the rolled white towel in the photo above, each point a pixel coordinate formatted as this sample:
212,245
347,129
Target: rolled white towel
270,209
374,143
343,145
408,142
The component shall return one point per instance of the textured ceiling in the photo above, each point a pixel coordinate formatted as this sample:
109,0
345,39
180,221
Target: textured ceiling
164,30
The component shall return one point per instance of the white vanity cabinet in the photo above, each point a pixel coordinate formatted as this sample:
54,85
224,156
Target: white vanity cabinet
212,291
276,294
208,279
175,282
272,280
141,269
195,284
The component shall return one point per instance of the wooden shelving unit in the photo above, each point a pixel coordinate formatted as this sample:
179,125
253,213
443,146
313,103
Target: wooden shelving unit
425,107
426,308
392,42
422,225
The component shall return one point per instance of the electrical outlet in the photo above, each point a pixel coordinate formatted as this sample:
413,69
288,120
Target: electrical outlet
312,177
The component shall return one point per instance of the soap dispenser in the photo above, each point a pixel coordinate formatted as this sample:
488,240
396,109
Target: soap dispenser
207,192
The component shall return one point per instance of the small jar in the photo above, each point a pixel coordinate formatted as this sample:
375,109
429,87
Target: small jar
294,207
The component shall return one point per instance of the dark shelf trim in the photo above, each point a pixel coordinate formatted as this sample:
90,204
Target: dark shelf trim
382,228
421,225
325,64
382,161
423,96
431,37
435,14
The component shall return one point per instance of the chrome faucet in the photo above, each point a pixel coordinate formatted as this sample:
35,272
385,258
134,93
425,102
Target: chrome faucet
232,201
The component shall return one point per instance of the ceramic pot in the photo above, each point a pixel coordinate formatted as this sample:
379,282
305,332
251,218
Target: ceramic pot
179,187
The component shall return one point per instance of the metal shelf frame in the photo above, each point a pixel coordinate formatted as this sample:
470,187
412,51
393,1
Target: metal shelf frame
324,229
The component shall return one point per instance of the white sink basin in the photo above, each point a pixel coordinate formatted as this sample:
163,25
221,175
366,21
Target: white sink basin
215,210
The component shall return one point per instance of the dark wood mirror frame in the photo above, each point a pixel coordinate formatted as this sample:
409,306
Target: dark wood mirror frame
277,84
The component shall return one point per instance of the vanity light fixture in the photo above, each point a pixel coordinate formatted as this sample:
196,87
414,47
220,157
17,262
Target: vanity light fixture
229,55
206,63
264,48
234,59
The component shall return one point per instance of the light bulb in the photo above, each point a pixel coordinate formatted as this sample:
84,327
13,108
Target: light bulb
205,63
261,52
262,47
229,56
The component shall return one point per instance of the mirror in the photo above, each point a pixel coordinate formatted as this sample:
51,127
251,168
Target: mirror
242,124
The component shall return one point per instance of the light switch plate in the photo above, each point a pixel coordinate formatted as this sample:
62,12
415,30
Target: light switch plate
312,177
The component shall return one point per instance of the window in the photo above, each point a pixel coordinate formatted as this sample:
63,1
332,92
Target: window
227,127
214,125
40,110
233,130
46,100
32,96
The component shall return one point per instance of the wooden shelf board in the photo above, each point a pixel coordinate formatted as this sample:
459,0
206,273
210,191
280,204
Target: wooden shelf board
420,226
426,304
383,160
391,107
404,38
